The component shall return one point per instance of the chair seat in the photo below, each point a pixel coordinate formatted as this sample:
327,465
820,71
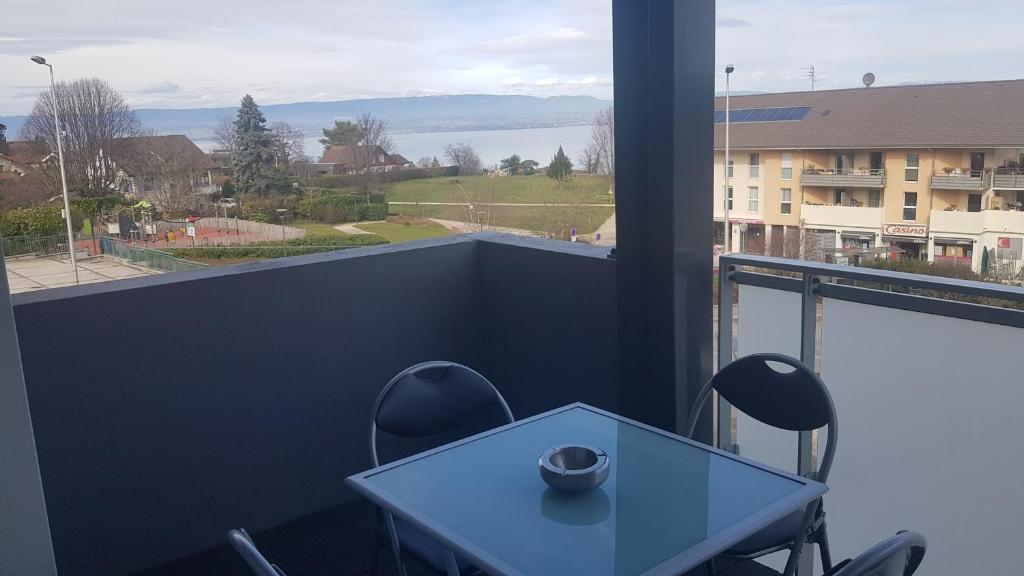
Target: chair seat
779,533
425,548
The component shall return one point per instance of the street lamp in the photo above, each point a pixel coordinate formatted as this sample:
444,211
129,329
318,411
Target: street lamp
63,177
280,214
725,192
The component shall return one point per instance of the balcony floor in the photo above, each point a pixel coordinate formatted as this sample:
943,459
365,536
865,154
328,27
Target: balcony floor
334,542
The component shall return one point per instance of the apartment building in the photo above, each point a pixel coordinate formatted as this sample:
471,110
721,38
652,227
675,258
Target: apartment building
932,172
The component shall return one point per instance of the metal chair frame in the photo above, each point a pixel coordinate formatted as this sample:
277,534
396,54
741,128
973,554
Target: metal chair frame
812,529
451,565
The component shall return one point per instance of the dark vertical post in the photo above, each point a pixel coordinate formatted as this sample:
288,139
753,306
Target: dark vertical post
664,54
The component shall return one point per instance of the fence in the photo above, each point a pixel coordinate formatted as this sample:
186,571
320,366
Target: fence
269,231
924,376
39,245
147,257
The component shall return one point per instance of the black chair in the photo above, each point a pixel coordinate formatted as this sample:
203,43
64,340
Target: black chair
796,400
243,544
426,400
899,555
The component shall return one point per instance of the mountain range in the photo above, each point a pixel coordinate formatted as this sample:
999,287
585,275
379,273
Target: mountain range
408,114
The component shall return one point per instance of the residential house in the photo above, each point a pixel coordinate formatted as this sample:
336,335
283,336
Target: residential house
20,156
930,172
344,159
170,171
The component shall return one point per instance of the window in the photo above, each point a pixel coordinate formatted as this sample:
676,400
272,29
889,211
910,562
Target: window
729,170
874,198
786,194
787,166
913,164
974,202
837,197
753,199
730,197
755,165
910,206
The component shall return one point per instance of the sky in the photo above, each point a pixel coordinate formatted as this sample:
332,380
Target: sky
203,53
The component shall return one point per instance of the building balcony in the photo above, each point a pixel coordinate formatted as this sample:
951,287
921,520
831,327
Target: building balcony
815,215
1008,180
847,178
973,223
971,181
250,412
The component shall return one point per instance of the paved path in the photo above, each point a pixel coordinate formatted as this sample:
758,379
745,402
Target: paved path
28,273
352,227
540,204
468,227
607,232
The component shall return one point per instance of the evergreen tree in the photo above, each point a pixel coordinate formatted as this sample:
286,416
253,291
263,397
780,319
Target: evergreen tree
984,262
560,167
529,167
3,139
343,134
253,148
511,165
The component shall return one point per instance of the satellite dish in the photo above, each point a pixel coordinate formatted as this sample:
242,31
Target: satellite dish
868,80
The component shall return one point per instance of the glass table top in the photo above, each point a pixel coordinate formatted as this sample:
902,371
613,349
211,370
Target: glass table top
663,497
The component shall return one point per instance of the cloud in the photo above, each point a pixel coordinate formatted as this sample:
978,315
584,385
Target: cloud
725,22
161,88
513,82
549,81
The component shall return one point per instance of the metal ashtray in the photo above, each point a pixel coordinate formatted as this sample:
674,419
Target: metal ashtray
574,468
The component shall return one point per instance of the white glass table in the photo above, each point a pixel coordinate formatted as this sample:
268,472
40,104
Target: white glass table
668,505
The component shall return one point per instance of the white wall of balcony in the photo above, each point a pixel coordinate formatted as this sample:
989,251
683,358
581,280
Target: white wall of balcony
840,217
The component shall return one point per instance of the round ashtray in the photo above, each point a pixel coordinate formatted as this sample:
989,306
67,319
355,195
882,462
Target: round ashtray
574,468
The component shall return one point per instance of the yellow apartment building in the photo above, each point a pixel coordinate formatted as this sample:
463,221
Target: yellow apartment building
932,172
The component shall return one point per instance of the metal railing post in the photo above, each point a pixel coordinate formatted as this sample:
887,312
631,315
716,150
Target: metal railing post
808,355
725,353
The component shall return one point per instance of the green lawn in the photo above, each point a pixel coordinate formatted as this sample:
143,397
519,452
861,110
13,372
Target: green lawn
396,232
509,189
318,228
551,220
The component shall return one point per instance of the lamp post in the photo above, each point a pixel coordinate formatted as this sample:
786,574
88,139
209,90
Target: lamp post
280,214
725,192
63,177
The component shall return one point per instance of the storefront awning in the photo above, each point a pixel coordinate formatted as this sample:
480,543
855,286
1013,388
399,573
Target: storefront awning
905,239
955,241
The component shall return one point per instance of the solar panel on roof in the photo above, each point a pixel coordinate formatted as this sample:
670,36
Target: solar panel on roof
785,114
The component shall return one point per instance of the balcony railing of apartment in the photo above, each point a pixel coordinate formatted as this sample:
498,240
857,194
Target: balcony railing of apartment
1008,179
923,371
845,178
961,180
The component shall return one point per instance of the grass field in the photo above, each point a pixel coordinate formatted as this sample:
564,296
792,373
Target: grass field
404,232
318,229
586,219
508,189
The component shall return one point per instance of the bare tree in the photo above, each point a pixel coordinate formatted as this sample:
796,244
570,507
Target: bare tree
589,159
92,114
375,132
289,147
463,156
224,134
601,149
424,162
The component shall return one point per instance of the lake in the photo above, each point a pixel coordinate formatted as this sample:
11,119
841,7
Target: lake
538,144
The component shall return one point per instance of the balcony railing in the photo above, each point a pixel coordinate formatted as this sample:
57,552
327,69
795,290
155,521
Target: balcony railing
1008,180
846,178
902,354
960,180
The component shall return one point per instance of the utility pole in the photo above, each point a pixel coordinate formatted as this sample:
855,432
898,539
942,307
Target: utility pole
726,227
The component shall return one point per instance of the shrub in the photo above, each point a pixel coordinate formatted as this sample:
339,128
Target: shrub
309,245
41,220
334,207
355,180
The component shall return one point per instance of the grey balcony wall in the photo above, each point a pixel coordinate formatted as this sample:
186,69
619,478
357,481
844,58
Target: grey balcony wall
168,409
549,323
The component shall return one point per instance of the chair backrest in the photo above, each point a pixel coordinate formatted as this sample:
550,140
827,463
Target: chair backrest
795,400
432,398
899,555
243,544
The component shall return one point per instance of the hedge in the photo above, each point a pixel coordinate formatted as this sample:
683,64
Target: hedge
294,247
333,207
355,180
